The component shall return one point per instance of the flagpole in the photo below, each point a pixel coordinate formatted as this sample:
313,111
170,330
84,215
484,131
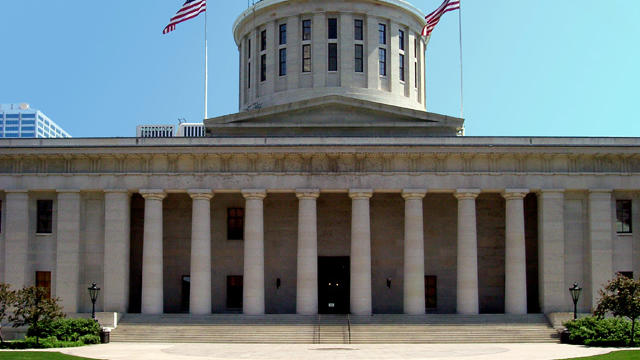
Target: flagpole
461,72
206,66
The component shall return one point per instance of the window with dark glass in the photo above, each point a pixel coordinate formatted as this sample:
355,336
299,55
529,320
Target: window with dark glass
249,49
263,67
306,58
306,30
382,54
235,224
333,28
382,32
43,280
415,74
234,291
263,40
623,217
44,224
401,39
333,57
357,29
283,34
431,291
249,76
401,67
358,58
415,47
283,62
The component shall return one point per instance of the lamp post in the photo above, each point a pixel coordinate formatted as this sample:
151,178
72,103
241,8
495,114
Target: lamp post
575,291
93,293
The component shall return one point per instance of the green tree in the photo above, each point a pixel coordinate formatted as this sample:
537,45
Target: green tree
34,308
7,299
620,297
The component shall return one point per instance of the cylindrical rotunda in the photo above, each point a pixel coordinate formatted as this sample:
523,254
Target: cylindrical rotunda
293,50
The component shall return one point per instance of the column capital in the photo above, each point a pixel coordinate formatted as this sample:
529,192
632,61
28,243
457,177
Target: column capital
153,194
414,194
254,194
466,194
307,193
200,194
513,194
360,194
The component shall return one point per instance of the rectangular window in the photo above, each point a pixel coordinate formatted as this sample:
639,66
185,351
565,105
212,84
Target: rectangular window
45,217
11,128
12,122
382,32
401,39
431,292
306,30
283,34
12,116
263,40
28,134
306,58
43,280
401,67
234,291
357,29
333,28
263,67
382,54
283,62
28,122
28,116
415,74
358,58
623,217
415,47
248,48
333,57
28,128
235,224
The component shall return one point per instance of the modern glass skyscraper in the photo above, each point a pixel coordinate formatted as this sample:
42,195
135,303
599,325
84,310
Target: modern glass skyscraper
21,121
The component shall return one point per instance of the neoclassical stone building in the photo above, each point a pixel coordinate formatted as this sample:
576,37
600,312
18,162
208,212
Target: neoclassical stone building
331,191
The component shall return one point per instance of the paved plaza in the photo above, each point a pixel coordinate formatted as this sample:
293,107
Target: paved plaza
139,351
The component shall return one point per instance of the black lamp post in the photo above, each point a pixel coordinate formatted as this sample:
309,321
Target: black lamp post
93,293
575,291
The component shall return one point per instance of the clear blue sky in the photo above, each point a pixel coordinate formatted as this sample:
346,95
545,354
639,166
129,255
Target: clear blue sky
539,68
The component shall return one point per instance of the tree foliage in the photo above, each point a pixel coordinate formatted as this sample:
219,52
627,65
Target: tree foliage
7,299
33,307
620,297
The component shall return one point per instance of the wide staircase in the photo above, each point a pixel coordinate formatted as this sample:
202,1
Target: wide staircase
334,329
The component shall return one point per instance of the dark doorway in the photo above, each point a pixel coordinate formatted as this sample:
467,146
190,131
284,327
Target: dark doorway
234,292
333,285
186,293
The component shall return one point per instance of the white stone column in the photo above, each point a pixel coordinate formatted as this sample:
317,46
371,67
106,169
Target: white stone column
253,280
551,251
200,289
600,242
467,268
16,238
360,252
68,249
515,286
117,227
414,296
307,279
152,276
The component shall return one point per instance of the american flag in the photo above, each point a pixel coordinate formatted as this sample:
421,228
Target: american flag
189,10
434,17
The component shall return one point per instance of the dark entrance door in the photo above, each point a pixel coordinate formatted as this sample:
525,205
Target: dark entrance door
333,285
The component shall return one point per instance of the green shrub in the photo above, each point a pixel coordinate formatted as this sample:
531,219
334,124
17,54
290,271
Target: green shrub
592,331
89,339
65,329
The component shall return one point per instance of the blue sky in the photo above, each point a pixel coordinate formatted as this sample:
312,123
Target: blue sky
531,68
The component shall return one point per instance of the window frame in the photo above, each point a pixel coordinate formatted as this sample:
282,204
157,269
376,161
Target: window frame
235,223
263,40
282,62
624,213
282,37
332,57
358,48
382,34
306,61
382,61
263,67
332,28
358,30
307,25
402,67
401,39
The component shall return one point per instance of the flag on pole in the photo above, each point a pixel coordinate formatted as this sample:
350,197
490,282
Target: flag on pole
189,10
434,17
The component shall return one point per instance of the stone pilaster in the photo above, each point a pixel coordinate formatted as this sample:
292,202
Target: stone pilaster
467,268
600,242
360,252
16,238
117,227
307,279
414,296
253,280
200,289
515,288
68,250
152,271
